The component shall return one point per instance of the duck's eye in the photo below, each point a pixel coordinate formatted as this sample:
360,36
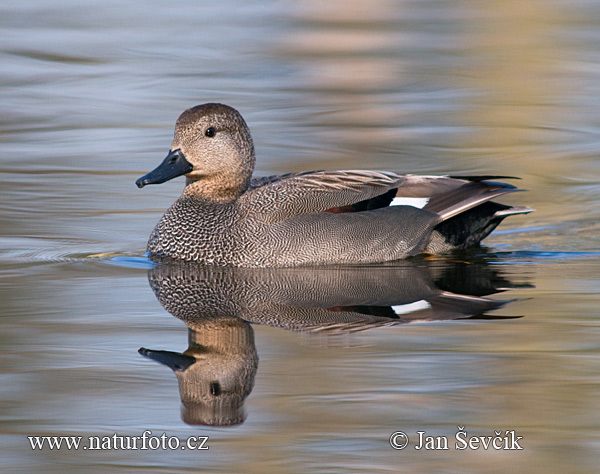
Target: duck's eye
210,132
215,389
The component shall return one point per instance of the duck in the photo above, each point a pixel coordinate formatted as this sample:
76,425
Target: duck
227,217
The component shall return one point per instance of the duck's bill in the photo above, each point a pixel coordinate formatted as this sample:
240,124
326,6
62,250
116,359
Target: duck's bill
172,166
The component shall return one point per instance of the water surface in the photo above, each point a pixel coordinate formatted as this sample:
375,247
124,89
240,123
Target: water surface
90,94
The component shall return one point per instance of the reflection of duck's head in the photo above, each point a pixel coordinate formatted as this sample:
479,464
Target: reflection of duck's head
216,373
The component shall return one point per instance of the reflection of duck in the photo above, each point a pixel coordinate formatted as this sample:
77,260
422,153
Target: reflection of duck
225,217
216,373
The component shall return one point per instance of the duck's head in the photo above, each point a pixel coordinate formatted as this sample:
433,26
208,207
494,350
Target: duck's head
213,148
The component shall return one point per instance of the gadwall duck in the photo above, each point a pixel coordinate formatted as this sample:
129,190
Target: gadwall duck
226,217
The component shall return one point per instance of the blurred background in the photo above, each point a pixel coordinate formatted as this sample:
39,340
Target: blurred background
90,92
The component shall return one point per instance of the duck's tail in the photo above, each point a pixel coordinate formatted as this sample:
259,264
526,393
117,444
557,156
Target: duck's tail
464,203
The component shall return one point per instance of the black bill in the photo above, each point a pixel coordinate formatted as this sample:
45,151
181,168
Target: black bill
172,166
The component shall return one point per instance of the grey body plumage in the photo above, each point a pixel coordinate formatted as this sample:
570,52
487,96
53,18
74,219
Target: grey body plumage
224,217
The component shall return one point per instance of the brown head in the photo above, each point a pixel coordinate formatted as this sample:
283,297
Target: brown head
213,148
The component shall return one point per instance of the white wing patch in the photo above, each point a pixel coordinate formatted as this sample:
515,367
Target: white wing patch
410,201
411,307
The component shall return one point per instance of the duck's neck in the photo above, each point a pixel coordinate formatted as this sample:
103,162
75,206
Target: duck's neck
214,190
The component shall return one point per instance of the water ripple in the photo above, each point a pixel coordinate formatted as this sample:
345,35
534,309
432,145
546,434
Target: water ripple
537,256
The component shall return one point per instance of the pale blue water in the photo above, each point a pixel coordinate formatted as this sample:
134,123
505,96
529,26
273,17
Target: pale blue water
90,92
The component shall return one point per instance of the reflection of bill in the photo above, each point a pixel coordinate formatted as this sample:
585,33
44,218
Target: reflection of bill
399,440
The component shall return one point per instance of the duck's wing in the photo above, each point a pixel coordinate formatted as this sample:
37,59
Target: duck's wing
280,197
355,191
257,182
